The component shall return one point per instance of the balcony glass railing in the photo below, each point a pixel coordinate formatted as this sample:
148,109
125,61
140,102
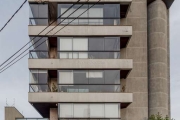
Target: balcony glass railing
78,21
83,88
38,54
38,21
32,118
76,55
39,88
69,119
89,21
89,88
89,54
89,119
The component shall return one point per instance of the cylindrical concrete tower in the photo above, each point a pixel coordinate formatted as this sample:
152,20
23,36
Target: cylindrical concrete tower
158,58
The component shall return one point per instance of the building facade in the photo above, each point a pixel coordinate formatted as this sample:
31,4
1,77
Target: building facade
106,59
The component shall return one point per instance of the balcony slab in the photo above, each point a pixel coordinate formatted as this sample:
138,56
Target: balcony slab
120,64
123,31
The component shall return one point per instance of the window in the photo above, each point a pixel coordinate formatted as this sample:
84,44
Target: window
112,76
84,110
96,110
37,50
66,77
99,14
112,107
111,43
89,44
91,48
73,44
65,45
81,110
94,74
80,76
89,81
38,40
66,110
96,12
38,14
89,76
96,77
96,44
39,80
38,76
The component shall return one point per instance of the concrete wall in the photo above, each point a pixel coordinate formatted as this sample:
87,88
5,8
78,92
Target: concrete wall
158,58
53,14
82,31
11,113
168,60
137,80
53,114
53,84
53,53
80,97
123,64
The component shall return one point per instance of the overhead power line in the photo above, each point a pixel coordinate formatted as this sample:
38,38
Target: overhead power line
38,34
53,34
45,34
13,15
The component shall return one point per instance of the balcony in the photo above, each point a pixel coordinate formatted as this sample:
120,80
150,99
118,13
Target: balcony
50,99
105,13
75,31
54,64
76,54
75,81
32,119
69,119
91,1
50,87
77,88
78,21
42,102
55,97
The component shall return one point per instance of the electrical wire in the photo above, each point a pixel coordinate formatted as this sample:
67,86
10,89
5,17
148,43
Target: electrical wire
38,34
42,37
45,40
13,15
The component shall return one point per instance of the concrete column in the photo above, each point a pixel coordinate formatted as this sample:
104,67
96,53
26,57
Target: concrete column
52,13
158,58
53,114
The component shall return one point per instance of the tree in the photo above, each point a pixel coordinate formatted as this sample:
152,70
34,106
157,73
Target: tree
159,117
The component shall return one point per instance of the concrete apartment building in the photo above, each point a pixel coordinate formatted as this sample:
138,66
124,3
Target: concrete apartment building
112,62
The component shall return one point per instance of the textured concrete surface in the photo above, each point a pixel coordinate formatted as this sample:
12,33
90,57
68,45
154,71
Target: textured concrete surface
11,113
137,80
158,58
82,31
148,48
53,114
122,64
168,58
50,97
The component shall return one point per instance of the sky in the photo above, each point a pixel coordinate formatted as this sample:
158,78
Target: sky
14,81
